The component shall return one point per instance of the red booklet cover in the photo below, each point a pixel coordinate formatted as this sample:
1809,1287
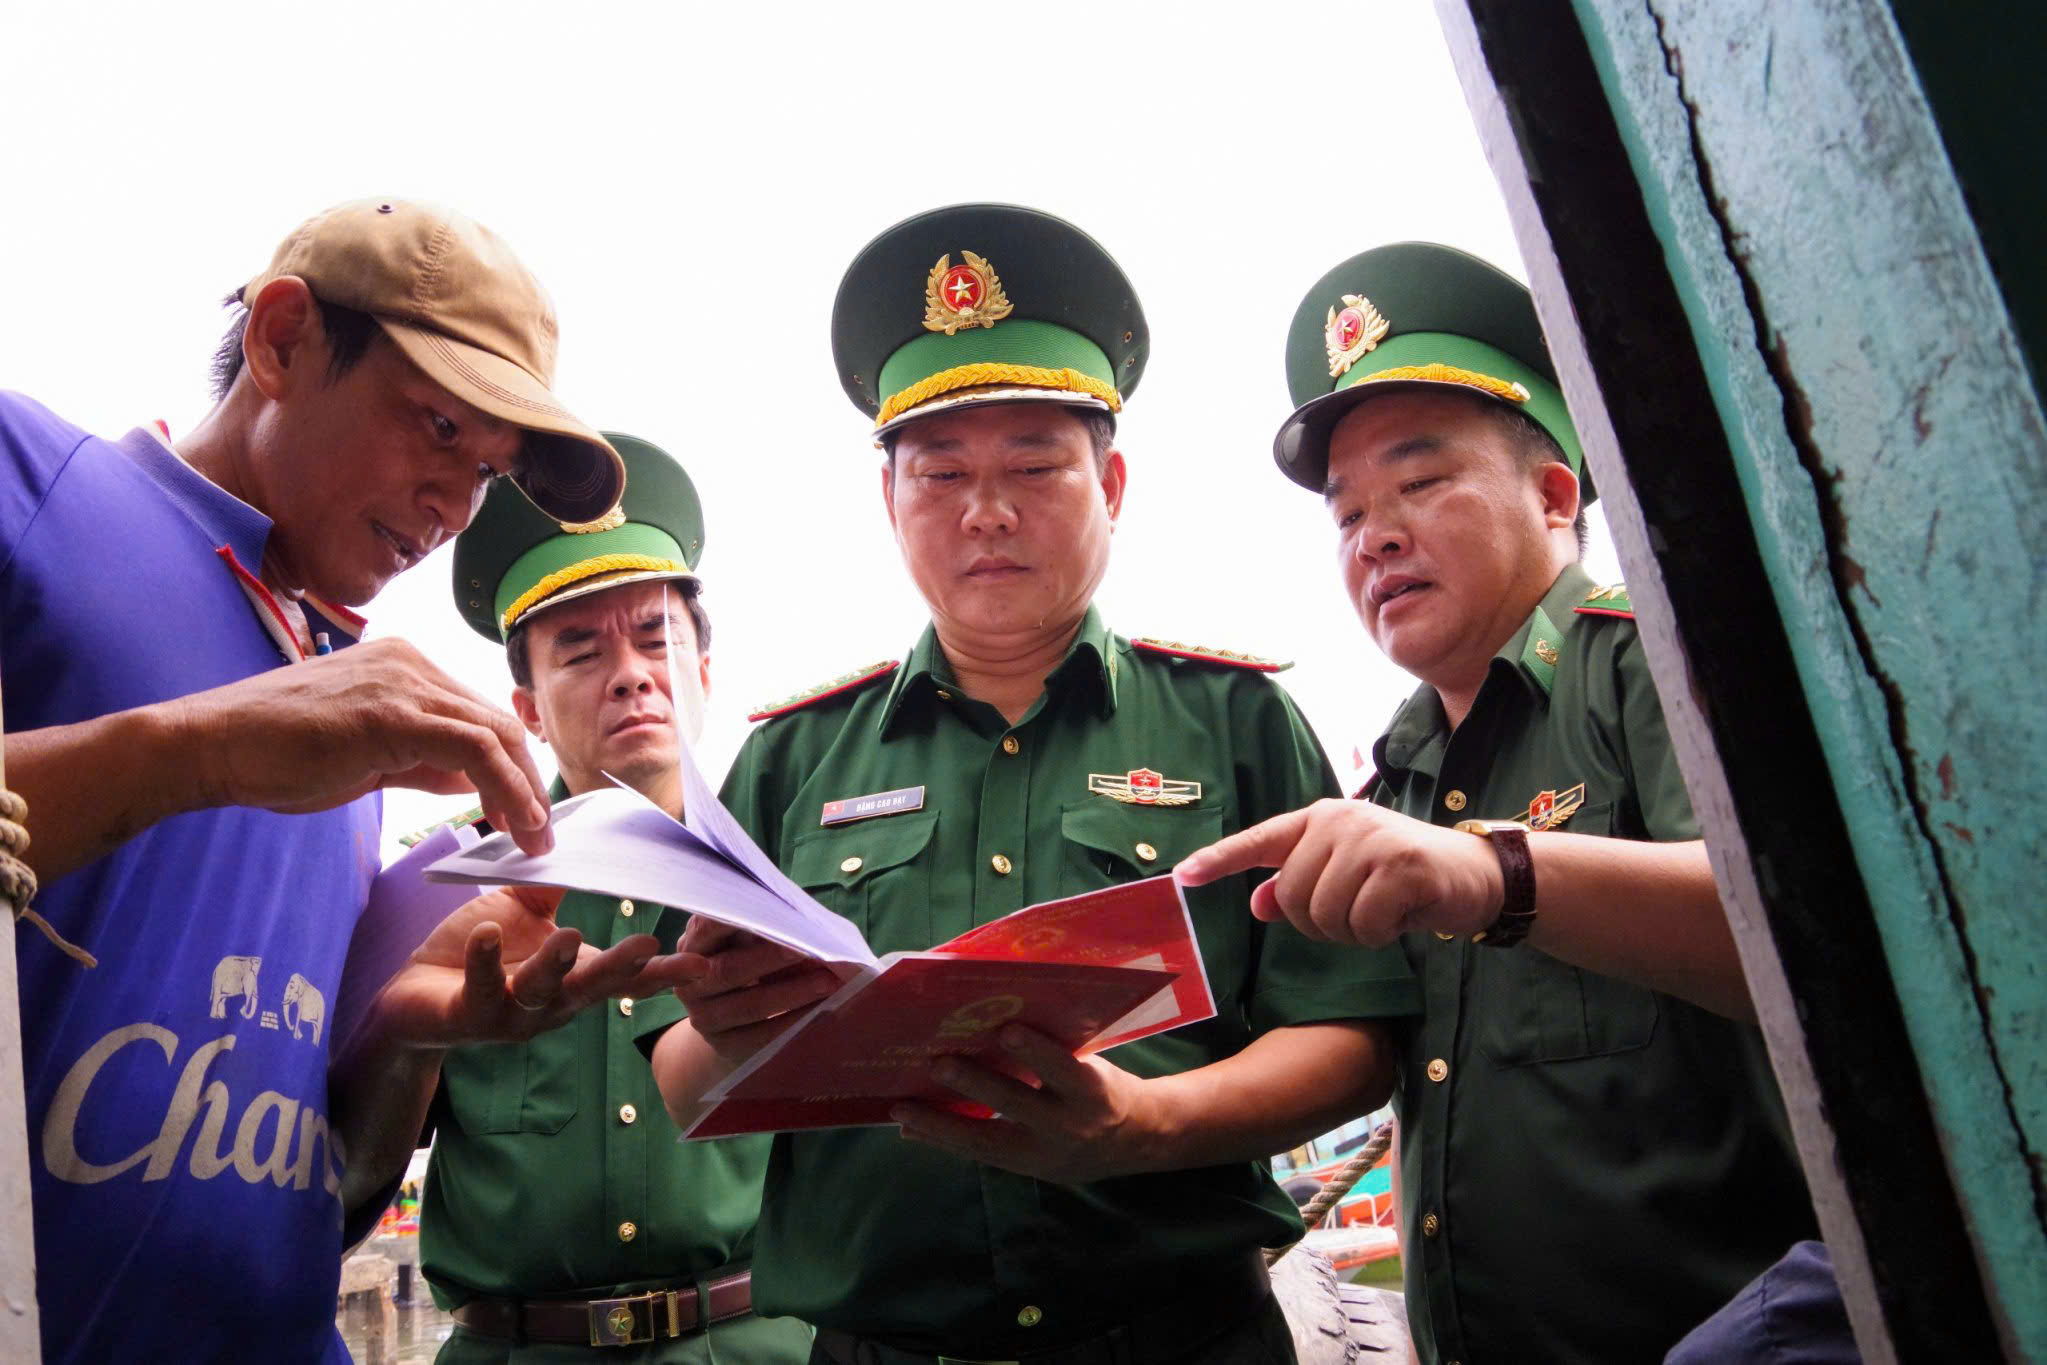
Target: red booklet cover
1092,971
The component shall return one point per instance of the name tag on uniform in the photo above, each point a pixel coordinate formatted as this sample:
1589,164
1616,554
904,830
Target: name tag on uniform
867,807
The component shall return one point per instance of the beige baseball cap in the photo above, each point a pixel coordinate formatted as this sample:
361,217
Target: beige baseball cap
458,303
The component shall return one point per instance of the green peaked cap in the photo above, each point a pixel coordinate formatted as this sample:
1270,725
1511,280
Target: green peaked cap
1036,310
1443,319
514,560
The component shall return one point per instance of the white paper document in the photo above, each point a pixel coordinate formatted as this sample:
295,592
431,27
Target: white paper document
616,842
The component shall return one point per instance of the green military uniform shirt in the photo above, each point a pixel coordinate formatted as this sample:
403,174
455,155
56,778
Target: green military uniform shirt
556,1173
865,1232
1589,1168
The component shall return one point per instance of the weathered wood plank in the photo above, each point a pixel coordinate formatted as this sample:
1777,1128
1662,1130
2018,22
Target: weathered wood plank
1893,452
1602,237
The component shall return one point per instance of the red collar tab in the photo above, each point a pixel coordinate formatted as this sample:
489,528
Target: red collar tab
1611,601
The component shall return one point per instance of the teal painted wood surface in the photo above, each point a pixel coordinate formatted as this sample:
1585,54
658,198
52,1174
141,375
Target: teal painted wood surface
1894,457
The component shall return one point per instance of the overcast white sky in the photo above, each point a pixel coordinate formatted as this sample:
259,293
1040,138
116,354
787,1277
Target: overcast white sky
689,183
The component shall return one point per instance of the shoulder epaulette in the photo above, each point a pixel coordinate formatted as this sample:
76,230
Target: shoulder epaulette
1174,649
845,682
468,817
1611,601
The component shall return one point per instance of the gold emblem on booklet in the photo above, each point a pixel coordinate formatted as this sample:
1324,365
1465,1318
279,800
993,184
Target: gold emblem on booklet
981,1016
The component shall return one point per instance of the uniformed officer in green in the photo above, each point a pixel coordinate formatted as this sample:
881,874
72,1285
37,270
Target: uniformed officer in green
1116,1210
1594,1154
562,1220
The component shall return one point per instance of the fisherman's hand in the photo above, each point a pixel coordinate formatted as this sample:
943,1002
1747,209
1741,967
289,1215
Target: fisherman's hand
499,969
323,732
742,991
1353,872
1058,1117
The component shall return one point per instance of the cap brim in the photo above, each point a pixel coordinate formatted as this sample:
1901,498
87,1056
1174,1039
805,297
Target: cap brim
603,583
1301,449
571,473
987,396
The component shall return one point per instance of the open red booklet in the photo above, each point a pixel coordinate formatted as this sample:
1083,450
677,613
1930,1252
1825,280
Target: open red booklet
1092,971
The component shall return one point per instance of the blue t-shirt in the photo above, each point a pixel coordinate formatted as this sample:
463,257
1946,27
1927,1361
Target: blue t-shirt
184,1177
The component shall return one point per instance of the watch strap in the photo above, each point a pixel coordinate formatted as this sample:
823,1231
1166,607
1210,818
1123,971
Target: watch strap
1517,876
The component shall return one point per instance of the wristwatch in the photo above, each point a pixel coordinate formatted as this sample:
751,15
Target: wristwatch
1517,875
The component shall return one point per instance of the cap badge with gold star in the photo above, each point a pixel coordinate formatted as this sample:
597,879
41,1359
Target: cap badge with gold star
1072,333
965,295
1351,334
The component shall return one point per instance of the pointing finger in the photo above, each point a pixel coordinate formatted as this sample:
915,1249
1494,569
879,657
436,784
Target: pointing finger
1266,844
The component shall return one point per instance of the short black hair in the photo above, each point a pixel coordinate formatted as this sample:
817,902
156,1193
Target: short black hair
349,334
1533,443
520,660
1101,436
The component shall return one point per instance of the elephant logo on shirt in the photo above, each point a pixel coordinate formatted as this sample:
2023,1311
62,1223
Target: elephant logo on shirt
234,976
303,1004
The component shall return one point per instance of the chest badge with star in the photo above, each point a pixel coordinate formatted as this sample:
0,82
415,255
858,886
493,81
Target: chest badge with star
1550,809
965,295
1144,787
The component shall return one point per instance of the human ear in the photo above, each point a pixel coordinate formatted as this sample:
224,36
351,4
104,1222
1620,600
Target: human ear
1558,488
1115,478
888,493
283,338
527,709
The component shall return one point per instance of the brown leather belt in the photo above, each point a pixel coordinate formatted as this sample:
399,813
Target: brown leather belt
655,1316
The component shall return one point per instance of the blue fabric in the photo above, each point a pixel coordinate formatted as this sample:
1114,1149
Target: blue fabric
184,1182
1791,1314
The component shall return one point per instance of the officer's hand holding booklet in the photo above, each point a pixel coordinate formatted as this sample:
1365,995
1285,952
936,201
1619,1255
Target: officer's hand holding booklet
1092,971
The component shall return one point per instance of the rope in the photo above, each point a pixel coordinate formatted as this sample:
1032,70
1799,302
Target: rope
18,879
1339,1185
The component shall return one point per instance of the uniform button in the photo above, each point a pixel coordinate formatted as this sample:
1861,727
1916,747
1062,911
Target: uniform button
628,1230
1454,799
1009,744
625,1007
626,908
1438,1069
1000,864
944,695
1431,1225
1447,938
1147,852
626,1113
1030,1315
851,864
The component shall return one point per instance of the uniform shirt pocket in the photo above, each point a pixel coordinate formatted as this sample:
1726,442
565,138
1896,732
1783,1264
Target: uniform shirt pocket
1533,1008
876,874
1108,843
515,1087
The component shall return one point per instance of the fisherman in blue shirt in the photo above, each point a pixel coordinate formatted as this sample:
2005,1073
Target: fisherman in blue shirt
202,783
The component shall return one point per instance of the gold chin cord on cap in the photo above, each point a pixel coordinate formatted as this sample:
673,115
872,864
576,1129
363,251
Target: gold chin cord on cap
577,572
1450,374
983,374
